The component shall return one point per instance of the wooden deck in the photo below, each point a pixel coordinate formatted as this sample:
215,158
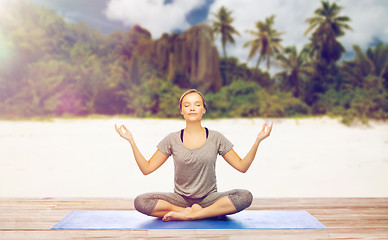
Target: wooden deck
346,218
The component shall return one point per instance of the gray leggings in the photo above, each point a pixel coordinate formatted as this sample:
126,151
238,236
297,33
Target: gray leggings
145,203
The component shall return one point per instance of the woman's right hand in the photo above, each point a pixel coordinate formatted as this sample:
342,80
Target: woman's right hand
124,133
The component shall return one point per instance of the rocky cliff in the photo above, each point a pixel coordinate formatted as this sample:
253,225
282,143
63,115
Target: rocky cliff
190,60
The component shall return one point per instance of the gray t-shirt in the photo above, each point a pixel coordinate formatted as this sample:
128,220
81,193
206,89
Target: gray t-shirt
195,169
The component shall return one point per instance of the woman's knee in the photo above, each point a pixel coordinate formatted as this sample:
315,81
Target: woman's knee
241,199
145,203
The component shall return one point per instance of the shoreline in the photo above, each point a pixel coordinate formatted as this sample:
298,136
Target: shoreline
356,122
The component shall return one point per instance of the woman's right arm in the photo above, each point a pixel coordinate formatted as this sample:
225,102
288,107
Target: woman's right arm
146,167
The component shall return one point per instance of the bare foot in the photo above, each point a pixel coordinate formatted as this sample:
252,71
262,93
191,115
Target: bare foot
185,215
178,216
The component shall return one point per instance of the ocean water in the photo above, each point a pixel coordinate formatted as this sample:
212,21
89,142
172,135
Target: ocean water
313,157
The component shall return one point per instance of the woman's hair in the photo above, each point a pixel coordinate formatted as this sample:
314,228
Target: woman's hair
192,91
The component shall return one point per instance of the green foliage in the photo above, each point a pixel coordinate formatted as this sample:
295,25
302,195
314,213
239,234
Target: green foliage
296,67
357,103
328,27
154,96
231,70
49,67
325,50
362,94
248,99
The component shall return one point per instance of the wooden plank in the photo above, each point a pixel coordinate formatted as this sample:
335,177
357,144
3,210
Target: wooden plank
193,234
91,207
346,218
73,234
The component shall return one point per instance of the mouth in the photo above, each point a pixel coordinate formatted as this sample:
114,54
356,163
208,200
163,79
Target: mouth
192,114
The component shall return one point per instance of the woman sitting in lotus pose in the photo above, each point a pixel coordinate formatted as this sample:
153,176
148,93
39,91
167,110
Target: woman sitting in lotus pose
194,150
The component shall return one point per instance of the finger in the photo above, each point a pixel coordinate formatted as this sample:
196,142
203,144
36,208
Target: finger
270,127
264,125
117,129
125,128
121,128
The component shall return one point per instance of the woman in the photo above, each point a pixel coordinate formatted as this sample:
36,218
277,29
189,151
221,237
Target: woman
194,150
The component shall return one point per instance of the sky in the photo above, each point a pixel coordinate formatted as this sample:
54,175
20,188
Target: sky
369,18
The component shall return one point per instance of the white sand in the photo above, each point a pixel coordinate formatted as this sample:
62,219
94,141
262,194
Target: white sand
315,157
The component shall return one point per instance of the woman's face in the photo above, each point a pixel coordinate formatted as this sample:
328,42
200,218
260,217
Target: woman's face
192,107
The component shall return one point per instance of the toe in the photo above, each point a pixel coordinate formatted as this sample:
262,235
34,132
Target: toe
166,217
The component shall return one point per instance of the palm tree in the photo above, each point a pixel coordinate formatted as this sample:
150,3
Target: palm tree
328,26
366,79
267,41
367,70
222,25
295,65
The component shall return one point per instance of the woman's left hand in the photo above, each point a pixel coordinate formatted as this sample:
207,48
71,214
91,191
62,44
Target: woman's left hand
265,132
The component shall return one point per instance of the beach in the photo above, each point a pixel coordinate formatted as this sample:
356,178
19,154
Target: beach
85,157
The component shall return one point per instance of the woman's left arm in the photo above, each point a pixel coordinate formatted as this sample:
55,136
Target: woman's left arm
243,165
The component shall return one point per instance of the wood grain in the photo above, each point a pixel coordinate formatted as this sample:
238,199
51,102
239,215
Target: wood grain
346,218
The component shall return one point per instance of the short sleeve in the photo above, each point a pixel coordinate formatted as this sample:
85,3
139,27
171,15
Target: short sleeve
224,145
165,145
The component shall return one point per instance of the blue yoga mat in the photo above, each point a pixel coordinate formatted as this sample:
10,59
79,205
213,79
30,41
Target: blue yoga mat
249,219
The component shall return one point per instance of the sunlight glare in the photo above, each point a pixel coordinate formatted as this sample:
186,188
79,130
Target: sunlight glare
5,45
4,49
3,4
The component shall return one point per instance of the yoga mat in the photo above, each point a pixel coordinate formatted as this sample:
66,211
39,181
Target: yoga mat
248,219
